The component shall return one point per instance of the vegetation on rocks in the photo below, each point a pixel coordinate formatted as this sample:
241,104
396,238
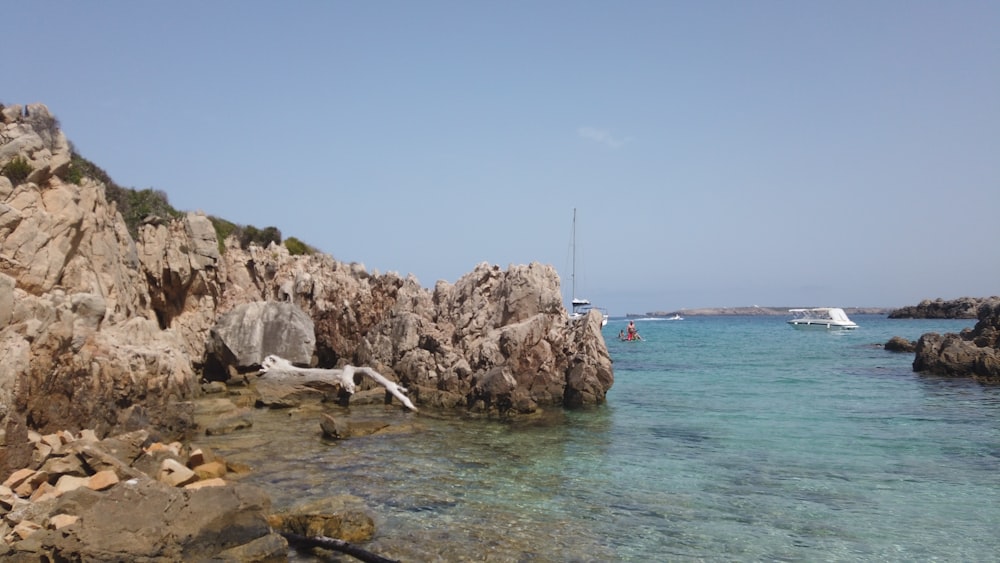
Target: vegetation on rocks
17,170
298,248
137,206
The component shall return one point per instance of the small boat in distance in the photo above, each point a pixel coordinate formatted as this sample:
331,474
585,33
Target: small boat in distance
676,317
821,318
580,306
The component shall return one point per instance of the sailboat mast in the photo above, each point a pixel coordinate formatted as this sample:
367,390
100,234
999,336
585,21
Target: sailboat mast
573,275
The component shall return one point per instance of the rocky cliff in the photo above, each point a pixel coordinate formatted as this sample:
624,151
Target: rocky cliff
102,330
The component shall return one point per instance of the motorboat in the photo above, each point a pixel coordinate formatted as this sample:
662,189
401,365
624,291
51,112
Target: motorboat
579,307
821,318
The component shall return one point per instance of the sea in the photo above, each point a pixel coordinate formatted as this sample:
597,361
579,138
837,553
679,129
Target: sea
724,438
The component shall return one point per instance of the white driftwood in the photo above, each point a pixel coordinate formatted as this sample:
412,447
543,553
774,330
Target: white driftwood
278,368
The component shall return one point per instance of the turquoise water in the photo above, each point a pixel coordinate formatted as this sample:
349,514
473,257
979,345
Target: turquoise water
723,438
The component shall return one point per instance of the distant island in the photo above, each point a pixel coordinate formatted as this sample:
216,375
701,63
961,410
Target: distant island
961,308
745,311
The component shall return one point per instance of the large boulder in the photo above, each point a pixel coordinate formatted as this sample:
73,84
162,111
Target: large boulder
973,353
247,334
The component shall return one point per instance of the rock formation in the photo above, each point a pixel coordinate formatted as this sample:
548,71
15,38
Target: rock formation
973,353
961,308
100,330
246,335
128,498
899,344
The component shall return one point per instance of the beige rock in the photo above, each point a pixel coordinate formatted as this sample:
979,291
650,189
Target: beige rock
30,483
210,470
54,441
214,482
18,477
41,453
173,448
65,465
102,480
68,483
175,474
10,501
60,521
25,528
44,492
200,456
7,497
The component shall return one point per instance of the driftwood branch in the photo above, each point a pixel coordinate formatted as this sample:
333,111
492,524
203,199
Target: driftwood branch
336,545
278,368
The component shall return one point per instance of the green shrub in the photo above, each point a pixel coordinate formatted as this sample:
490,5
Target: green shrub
223,229
75,170
245,234
137,205
17,170
298,248
261,237
86,168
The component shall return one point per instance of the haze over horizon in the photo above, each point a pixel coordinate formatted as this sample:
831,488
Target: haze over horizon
718,154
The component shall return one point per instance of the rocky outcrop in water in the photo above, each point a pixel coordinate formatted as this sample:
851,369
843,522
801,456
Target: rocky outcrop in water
900,344
100,330
961,308
974,353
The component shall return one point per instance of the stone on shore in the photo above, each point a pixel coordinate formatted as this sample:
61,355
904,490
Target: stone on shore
120,512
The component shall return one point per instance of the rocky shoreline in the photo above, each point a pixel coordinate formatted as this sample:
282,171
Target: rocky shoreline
124,345
114,328
90,499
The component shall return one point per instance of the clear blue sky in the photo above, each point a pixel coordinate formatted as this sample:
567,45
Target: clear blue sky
719,153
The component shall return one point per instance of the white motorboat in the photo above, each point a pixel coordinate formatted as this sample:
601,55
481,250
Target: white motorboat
580,306
821,318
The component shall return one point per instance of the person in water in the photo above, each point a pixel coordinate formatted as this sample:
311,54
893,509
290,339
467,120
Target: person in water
632,332
621,334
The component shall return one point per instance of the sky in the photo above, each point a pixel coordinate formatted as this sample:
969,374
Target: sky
717,153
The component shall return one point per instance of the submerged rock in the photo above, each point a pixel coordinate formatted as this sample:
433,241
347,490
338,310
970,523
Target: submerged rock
900,344
343,517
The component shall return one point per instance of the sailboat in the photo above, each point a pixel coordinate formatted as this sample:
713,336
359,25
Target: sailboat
580,306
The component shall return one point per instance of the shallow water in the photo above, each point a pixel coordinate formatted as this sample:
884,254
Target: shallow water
723,438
